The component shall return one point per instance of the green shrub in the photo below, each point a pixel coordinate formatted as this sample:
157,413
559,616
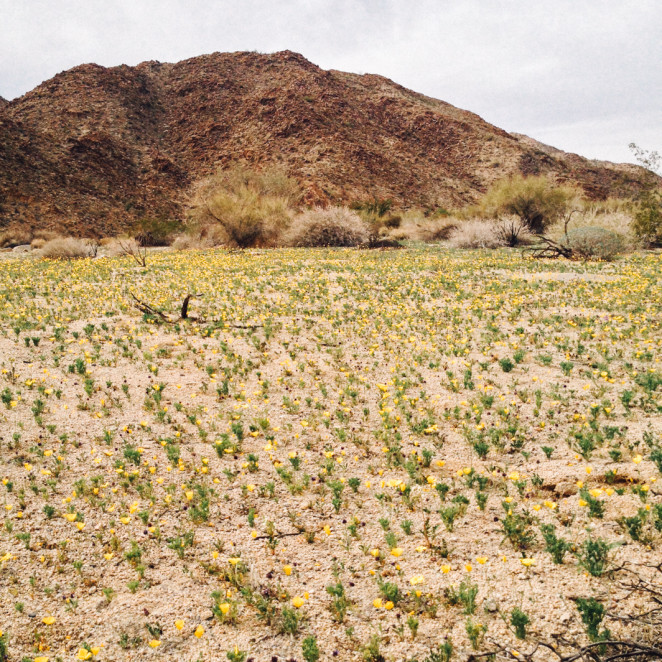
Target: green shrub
594,243
556,546
592,613
648,211
648,217
506,365
594,556
535,200
519,620
310,650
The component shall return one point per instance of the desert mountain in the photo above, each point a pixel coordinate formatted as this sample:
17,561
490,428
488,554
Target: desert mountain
94,149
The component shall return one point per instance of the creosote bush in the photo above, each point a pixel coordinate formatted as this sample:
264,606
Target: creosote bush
335,226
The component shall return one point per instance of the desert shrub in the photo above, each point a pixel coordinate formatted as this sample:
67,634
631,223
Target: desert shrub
253,208
378,215
188,242
128,246
648,212
375,207
648,217
391,221
436,229
534,200
117,245
439,230
40,237
202,238
12,237
416,225
613,214
213,235
335,226
475,233
68,248
512,231
594,243
156,231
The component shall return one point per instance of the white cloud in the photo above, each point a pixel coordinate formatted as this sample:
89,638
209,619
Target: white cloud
584,76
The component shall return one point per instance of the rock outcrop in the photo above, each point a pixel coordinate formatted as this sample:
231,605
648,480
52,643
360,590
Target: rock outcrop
94,149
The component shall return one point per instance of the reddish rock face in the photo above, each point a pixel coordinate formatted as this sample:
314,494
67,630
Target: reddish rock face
93,149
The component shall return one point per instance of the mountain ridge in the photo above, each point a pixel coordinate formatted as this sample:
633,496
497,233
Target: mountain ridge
94,149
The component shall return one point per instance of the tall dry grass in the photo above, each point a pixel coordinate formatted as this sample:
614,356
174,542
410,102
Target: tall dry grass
15,236
416,226
68,248
476,233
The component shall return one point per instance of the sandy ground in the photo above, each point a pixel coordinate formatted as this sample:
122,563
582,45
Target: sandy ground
311,369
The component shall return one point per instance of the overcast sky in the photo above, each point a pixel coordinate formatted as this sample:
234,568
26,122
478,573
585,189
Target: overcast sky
582,75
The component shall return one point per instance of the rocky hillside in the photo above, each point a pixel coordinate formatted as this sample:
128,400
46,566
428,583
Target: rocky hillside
94,149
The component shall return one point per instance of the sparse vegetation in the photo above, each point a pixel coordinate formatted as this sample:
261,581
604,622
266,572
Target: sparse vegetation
331,450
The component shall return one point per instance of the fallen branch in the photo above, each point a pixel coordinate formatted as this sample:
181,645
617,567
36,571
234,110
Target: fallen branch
279,535
550,249
593,651
148,309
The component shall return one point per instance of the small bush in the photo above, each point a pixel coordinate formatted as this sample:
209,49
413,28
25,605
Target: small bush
648,217
475,233
335,226
156,231
435,229
68,248
120,246
188,242
512,231
205,237
40,237
594,243
128,246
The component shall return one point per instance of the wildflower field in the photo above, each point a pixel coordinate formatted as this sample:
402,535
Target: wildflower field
407,455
